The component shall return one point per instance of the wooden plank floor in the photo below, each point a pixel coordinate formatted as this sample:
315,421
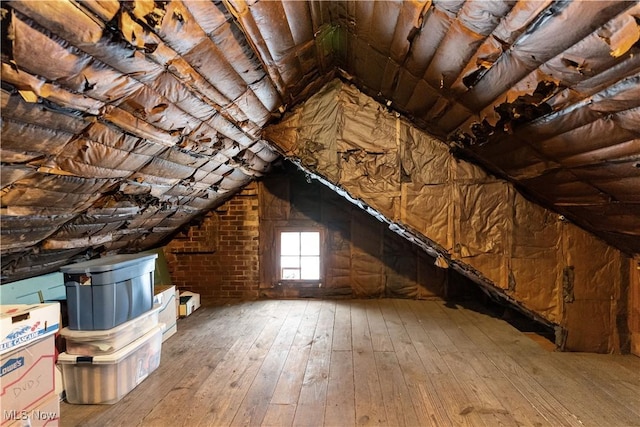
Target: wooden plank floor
367,362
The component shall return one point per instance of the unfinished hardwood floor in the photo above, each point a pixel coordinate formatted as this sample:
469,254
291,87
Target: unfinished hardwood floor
367,362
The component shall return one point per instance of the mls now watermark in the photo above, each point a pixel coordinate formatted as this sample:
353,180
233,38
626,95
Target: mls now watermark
34,414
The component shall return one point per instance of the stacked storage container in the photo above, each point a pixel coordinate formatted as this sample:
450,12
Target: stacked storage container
113,339
27,365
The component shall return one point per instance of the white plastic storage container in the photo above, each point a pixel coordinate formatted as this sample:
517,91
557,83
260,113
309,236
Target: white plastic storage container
105,292
98,343
166,296
107,379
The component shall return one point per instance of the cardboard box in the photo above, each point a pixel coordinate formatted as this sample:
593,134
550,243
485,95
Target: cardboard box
27,377
45,414
21,324
189,302
170,307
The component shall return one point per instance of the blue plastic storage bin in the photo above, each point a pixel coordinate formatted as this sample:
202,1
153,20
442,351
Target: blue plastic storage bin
106,292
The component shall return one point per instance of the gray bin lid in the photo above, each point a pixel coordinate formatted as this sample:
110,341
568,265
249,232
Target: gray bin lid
110,263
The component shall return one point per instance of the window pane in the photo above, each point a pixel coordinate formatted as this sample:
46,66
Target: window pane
300,255
290,262
290,274
289,243
310,268
310,243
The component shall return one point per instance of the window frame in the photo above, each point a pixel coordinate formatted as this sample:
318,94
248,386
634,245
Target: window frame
299,282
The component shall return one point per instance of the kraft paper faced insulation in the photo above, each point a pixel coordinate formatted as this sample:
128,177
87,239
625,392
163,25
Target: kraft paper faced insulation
482,224
160,107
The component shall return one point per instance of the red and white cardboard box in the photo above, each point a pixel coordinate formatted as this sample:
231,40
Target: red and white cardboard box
27,377
21,324
46,414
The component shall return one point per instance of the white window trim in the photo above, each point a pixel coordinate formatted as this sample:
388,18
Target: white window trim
299,282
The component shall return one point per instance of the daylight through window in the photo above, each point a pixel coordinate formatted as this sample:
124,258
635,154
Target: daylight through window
300,255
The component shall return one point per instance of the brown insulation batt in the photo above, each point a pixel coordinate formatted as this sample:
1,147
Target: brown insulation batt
490,228
161,133
160,107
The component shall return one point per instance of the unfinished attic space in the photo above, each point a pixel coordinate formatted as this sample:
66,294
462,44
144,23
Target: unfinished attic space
279,212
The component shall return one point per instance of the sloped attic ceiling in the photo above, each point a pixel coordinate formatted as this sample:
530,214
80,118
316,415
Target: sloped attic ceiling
123,121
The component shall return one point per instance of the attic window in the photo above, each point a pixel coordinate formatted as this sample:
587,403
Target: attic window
300,255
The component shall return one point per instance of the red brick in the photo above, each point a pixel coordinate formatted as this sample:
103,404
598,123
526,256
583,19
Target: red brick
232,232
